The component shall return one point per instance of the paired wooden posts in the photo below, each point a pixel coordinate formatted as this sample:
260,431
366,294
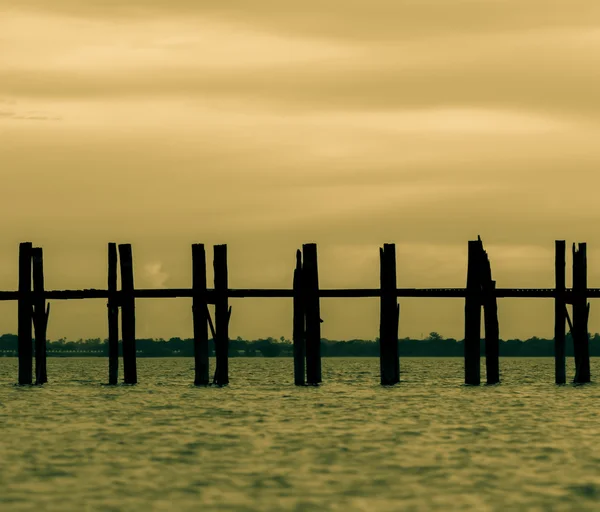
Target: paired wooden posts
389,362
481,291
200,315
32,310
307,318
560,314
581,309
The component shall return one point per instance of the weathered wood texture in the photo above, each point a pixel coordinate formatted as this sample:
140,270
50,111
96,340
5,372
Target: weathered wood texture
389,362
473,316
298,324
25,343
312,307
113,316
41,314
128,315
580,316
199,313
222,314
560,376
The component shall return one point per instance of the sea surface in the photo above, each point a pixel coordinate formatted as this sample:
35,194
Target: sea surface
262,444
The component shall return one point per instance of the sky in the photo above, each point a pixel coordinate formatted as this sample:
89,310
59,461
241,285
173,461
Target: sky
267,124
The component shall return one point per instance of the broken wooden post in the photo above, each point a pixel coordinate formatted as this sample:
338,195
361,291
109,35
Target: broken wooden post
490,319
128,315
199,313
113,316
298,327
222,313
473,316
312,307
25,340
40,316
389,363
560,376
580,316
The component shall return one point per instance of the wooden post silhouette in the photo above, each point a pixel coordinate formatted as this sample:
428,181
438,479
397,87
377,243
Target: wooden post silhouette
222,313
560,305
389,363
298,333
199,313
310,279
580,316
473,316
113,316
25,343
40,316
490,319
128,314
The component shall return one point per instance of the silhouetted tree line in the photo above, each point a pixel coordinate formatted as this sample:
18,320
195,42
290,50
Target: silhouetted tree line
434,345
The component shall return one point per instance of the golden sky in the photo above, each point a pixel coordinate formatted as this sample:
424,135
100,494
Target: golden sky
268,124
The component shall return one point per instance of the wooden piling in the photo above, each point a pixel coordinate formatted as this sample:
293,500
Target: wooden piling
312,307
492,335
298,332
580,316
199,313
222,313
25,343
113,316
560,376
40,316
473,316
388,326
490,319
128,315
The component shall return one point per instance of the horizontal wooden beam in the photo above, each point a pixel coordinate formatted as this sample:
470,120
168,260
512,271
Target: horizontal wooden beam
236,293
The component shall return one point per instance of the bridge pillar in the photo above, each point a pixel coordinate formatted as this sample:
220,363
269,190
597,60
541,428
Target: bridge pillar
389,316
222,315
128,315
298,325
472,341
312,306
559,313
580,316
40,316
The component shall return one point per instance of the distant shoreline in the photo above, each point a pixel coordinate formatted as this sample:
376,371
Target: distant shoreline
433,346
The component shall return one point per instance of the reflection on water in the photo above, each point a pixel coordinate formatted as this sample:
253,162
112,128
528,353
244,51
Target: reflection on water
264,445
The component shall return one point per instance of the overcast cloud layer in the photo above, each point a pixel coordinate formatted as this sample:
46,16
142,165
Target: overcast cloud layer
268,124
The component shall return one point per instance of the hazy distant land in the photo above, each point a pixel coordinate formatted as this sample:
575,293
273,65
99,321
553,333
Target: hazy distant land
434,345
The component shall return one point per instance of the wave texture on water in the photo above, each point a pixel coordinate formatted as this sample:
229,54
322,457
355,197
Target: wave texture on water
262,444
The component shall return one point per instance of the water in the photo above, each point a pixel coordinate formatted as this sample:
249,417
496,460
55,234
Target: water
264,445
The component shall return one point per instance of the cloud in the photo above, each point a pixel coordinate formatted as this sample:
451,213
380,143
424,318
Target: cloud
269,125
154,275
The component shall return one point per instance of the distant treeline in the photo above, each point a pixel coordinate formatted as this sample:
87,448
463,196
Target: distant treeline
434,345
